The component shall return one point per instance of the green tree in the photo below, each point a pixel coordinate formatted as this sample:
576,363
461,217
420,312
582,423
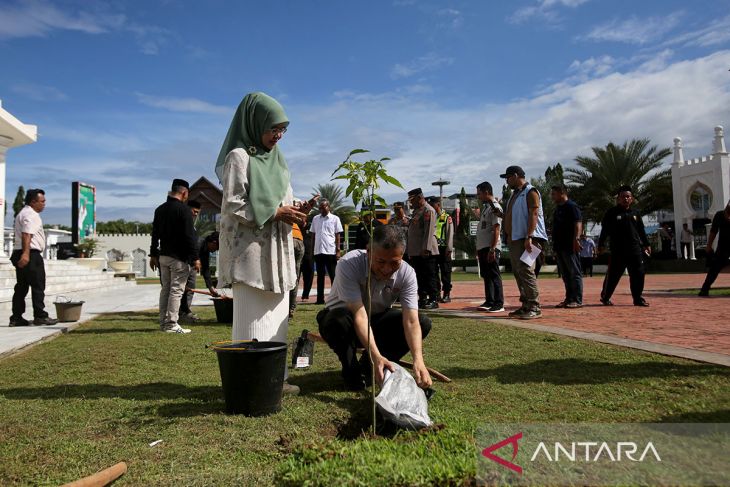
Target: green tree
19,202
123,227
338,204
634,163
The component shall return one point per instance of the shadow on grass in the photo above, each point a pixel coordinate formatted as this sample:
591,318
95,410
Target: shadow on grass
137,392
579,371
102,331
719,416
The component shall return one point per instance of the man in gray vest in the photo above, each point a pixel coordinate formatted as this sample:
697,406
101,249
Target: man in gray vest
524,230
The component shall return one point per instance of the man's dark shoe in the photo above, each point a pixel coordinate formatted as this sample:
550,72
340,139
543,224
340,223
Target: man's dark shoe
45,321
430,305
446,298
641,302
18,321
702,294
485,306
606,302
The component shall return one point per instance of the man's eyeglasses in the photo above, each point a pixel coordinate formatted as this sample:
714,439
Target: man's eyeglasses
278,131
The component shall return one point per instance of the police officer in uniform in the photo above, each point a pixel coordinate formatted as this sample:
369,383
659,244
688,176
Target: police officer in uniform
624,228
423,249
400,220
445,240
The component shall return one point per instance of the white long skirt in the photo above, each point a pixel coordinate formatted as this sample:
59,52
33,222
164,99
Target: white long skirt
258,314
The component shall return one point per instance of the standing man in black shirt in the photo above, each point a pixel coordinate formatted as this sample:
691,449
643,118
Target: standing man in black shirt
567,229
719,258
206,246
623,226
173,251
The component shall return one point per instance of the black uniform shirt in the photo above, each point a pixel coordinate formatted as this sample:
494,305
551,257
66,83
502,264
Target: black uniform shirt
624,229
722,225
173,233
564,219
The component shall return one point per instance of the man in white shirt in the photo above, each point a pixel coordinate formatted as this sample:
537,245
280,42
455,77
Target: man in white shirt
326,228
685,239
30,273
343,323
488,249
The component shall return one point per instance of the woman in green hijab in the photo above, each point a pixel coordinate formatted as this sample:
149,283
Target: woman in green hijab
256,251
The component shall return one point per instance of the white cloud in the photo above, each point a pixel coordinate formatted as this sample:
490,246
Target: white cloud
37,18
193,105
429,62
713,34
635,30
38,92
453,17
546,10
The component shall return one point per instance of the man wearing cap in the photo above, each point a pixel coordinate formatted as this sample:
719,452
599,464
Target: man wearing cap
173,250
624,228
423,249
400,220
445,240
524,229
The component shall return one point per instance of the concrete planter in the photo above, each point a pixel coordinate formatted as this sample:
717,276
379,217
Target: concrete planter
95,263
121,266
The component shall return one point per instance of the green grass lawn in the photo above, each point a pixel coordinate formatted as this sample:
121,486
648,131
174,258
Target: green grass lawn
102,393
720,291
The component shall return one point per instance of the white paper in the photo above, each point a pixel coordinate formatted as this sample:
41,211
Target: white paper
530,257
302,362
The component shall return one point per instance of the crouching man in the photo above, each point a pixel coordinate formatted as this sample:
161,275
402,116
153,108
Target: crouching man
343,323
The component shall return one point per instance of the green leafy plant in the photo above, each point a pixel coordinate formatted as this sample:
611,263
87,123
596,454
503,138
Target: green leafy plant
365,178
87,247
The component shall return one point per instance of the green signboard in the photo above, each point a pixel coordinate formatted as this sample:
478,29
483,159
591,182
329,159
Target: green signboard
83,211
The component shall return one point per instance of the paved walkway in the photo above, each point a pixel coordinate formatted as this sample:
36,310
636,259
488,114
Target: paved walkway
680,325
133,298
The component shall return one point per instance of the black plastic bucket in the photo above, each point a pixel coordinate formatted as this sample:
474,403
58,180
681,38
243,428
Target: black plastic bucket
223,309
252,374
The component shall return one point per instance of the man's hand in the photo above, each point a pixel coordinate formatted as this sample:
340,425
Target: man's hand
382,363
23,261
197,265
154,263
291,215
647,251
601,250
426,253
423,378
528,245
213,292
491,256
448,255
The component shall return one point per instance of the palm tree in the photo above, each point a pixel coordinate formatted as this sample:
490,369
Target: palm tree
338,206
635,164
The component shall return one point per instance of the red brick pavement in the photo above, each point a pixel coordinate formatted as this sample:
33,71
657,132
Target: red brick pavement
679,320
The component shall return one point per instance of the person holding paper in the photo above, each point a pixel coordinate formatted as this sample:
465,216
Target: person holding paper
524,230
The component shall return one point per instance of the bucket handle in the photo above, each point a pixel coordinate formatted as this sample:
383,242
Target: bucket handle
218,345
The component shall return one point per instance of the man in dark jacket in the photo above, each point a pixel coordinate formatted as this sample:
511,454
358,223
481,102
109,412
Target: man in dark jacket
173,251
624,228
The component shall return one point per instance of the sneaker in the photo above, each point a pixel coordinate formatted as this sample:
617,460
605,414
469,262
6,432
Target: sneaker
531,315
429,305
517,313
46,321
573,305
561,304
485,306
641,302
496,309
189,318
446,298
177,329
606,302
18,321
290,389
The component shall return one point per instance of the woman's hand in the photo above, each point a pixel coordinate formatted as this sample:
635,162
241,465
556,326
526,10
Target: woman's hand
291,215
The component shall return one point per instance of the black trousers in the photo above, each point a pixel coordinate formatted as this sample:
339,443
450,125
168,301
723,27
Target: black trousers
444,268
617,264
337,327
717,263
33,277
328,263
307,272
586,265
489,272
427,277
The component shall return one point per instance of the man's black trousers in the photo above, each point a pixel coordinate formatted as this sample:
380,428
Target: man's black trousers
617,264
33,277
337,327
325,263
427,277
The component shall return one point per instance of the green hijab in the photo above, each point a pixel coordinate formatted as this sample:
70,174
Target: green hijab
268,172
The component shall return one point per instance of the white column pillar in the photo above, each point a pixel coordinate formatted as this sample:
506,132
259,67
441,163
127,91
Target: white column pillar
4,144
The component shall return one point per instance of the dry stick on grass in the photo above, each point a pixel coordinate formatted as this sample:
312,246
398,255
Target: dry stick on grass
100,479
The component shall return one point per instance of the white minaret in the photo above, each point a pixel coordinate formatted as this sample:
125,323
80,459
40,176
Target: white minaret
678,153
13,133
718,144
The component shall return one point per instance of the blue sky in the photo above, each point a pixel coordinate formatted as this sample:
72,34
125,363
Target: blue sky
128,95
